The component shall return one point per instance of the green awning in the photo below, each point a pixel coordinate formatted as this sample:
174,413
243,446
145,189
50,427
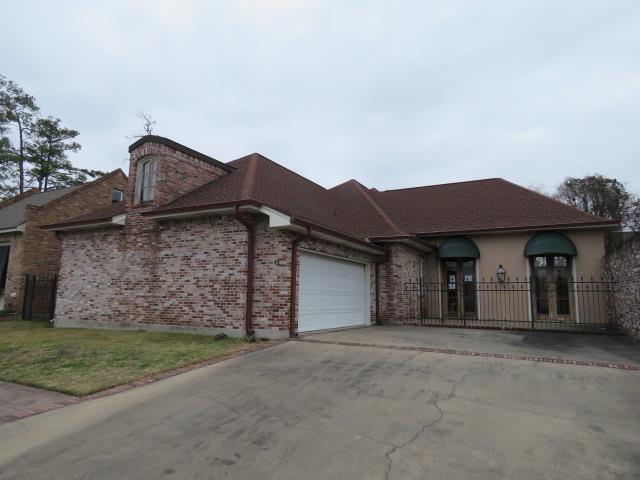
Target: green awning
458,247
549,243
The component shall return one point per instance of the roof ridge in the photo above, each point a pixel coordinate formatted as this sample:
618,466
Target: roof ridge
442,184
376,206
284,168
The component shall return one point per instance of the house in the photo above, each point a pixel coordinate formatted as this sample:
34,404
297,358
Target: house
250,247
26,249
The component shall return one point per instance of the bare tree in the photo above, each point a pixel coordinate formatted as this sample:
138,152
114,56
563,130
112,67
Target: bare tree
148,124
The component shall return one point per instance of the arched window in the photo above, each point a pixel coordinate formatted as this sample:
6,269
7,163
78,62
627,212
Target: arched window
146,179
550,258
458,256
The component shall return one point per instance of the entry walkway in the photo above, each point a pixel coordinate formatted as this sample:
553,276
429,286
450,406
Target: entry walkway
19,401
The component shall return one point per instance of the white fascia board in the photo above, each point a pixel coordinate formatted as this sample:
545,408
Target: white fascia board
191,214
341,241
334,239
276,219
19,228
117,221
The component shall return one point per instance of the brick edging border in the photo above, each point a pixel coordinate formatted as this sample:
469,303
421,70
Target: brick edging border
147,380
469,353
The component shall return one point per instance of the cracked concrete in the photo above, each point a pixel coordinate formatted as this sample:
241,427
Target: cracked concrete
322,411
616,349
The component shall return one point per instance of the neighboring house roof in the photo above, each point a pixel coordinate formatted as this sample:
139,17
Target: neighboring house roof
103,214
15,214
357,211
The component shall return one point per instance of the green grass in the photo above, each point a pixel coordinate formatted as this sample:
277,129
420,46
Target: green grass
80,362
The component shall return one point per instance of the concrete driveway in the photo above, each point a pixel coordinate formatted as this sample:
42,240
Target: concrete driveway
327,411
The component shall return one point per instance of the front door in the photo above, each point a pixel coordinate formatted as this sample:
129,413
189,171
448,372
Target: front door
551,280
460,288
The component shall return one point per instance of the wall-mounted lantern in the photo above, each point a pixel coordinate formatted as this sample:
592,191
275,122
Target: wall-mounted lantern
501,274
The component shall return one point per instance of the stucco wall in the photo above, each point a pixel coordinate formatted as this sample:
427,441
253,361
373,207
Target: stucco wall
507,249
513,302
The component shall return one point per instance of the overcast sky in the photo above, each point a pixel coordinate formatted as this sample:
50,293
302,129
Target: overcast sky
394,94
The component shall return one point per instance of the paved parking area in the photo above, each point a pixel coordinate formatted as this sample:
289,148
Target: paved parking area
615,349
19,401
326,411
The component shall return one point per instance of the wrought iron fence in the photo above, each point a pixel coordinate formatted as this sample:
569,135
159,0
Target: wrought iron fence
584,305
39,297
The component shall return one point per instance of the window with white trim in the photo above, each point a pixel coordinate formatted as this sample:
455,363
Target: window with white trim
117,195
146,181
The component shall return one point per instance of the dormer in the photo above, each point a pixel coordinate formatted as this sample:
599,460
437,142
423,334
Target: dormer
162,170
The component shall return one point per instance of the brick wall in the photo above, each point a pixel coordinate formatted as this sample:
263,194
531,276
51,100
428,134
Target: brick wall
623,267
178,173
181,275
188,273
37,251
14,270
405,265
191,274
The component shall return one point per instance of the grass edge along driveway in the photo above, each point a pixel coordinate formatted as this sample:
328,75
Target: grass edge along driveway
81,361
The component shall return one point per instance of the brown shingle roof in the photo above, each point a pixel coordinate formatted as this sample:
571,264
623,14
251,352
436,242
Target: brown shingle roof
346,208
481,205
357,211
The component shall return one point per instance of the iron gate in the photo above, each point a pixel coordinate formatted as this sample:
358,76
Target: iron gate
585,305
39,297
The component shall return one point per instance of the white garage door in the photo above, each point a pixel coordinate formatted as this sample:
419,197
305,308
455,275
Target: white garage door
332,293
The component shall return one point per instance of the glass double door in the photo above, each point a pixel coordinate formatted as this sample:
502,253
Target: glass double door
551,287
460,293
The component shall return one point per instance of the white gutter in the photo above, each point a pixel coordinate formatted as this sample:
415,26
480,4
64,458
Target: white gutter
19,228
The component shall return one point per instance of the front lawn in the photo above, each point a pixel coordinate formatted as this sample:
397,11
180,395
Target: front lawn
80,362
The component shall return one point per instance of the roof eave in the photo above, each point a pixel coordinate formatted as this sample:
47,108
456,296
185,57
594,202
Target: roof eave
115,221
17,229
410,240
570,226
277,219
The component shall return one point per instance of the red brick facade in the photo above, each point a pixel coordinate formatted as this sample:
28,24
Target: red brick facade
191,275
405,265
36,251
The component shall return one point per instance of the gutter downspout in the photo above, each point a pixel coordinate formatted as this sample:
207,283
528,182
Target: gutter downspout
378,263
251,246
294,282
